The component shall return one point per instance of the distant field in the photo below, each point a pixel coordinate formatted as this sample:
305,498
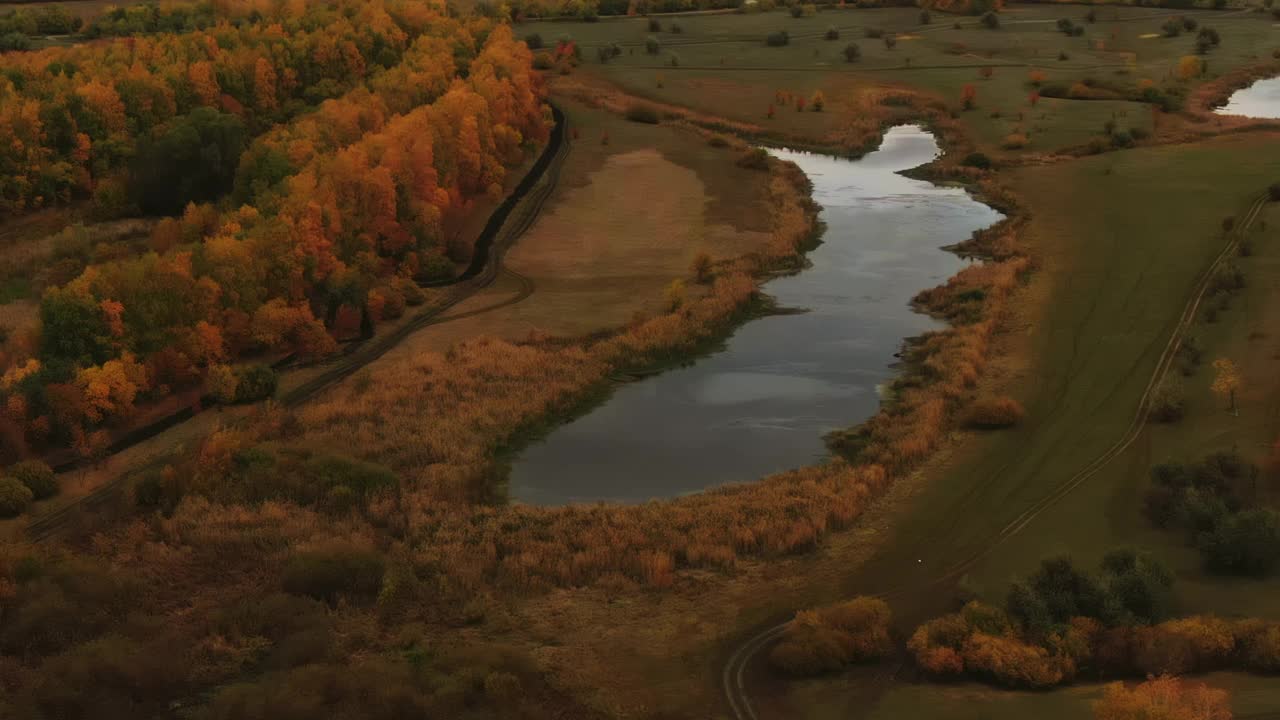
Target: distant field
723,64
86,9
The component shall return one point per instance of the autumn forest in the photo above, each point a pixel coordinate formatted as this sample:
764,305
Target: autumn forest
639,359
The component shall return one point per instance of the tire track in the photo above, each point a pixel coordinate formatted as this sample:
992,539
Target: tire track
734,671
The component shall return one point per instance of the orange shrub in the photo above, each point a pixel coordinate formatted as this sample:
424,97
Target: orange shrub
1163,698
994,412
829,638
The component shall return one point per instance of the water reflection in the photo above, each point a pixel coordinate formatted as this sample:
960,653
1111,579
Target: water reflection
763,403
1259,100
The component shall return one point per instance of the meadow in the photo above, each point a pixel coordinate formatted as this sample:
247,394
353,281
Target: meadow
721,64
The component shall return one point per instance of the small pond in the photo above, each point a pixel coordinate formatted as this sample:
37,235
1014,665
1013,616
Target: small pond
1259,100
762,403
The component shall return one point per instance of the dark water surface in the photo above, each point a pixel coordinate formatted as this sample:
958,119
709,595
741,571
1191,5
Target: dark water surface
1259,100
763,403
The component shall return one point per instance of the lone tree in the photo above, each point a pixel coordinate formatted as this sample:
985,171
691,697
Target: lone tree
852,52
1226,381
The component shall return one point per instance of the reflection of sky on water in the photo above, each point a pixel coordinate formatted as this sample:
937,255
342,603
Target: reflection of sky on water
762,404
1259,100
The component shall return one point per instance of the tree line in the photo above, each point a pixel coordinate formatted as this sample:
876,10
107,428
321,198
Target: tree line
338,208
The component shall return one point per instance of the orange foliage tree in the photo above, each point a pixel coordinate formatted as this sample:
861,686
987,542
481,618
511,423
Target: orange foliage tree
1163,698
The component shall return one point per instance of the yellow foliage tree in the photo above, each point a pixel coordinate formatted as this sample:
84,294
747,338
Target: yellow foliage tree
674,295
1189,66
222,383
110,388
1226,381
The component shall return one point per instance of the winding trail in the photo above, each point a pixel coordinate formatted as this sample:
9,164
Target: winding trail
733,676
507,223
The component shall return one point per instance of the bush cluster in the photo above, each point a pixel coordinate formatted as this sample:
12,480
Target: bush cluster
1213,502
829,638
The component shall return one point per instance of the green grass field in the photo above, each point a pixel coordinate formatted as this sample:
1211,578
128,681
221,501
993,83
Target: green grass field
723,65
1122,238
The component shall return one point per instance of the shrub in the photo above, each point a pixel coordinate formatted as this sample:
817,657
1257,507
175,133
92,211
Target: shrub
1168,400
1163,697
993,413
754,159
990,20
1274,192
832,33
1014,141
925,17
1189,355
333,572
361,478
651,45
1172,27
852,53
702,268
642,113
654,25
829,638
1247,543
674,295
977,160
254,383
777,39
890,41
14,497
37,476
14,41
534,41
796,11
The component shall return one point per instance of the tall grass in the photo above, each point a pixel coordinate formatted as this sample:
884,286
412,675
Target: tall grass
442,421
